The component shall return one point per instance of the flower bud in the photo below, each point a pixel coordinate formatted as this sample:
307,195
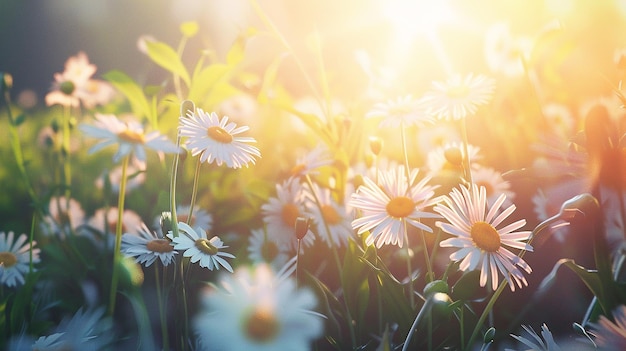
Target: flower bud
376,145
302,227
165,221
453,155
6,81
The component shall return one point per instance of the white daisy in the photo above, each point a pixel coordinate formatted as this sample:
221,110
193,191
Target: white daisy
609,335
309,163
199,247
105,221
537,343
450,157
64,216
86,330
329,213
136,175
147,247
254,311
69,84
504,52
494,184
404,111
459,96
480,244
15,258
280,213
216,140
261,249
388,208
130,136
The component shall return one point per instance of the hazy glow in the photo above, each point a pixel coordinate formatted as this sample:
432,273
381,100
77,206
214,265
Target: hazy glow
415,17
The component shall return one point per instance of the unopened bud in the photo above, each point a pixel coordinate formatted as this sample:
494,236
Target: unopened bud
302,227
583,203
6,81
165,221
453,155
376,145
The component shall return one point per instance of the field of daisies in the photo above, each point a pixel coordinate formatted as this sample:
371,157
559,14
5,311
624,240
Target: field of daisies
324,198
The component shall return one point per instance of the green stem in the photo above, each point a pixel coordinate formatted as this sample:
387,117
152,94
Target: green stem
30,240
466,159
486,312
65,151
431,275
194,190
408,264
118,236
420,315
335,256
164,334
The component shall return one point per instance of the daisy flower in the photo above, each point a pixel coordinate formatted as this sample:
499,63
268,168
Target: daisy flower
504,52
147,247
329,213
389,208
280,213
129,135
308,164
480,243
86,330
536,343
136,172
438,135
200,248
252,310
459,96
105,221
611,335
71,81
15,258
450,156
494,184
261,249
403,111
64,216
216,140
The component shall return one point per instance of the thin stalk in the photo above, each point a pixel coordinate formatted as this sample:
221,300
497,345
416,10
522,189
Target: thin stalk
65,151
466,160
194,190
431,275
164,334
486,312
420,315
297,261
118,236
335,256
30,248
408,264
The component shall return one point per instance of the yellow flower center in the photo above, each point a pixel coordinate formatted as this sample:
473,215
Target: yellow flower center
159,245
269,251
458,91
132,136
206,247
261,325
289,214
485,236
297,169
330,215
8,259
453,155
400,207
219,134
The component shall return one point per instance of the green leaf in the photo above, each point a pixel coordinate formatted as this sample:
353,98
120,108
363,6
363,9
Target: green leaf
20,119
164,56
205,80
133,92
236,53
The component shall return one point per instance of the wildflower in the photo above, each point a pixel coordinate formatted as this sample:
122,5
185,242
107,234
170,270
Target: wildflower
611,335
200,218
388,209
217,140
536,343
504,52
75,85
480,243
199,247
15,258
253,311
147,247
310,162
437,135
130,136
280,213
261,249
86,330
450,156
459,96
136,176
105,220
64,216
494,184
404,111
329,214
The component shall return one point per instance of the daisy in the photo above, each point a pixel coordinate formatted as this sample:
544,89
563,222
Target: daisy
217,140
86,330
459,96
504,52
387,209
136,176
611,335
105,221
329,213
536,343
404,111
252,310
147,247
74,85
130,136
450,156
309,163
438,135
15,258
261,249
280,213
480,243
494,184
200,248
64,216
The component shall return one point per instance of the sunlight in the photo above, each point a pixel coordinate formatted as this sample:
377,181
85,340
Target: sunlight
417,17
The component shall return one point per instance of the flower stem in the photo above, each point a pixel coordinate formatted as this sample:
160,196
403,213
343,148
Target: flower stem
408,264
486,312
194,191
466,159
420,315
118,236
164,334
65,152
